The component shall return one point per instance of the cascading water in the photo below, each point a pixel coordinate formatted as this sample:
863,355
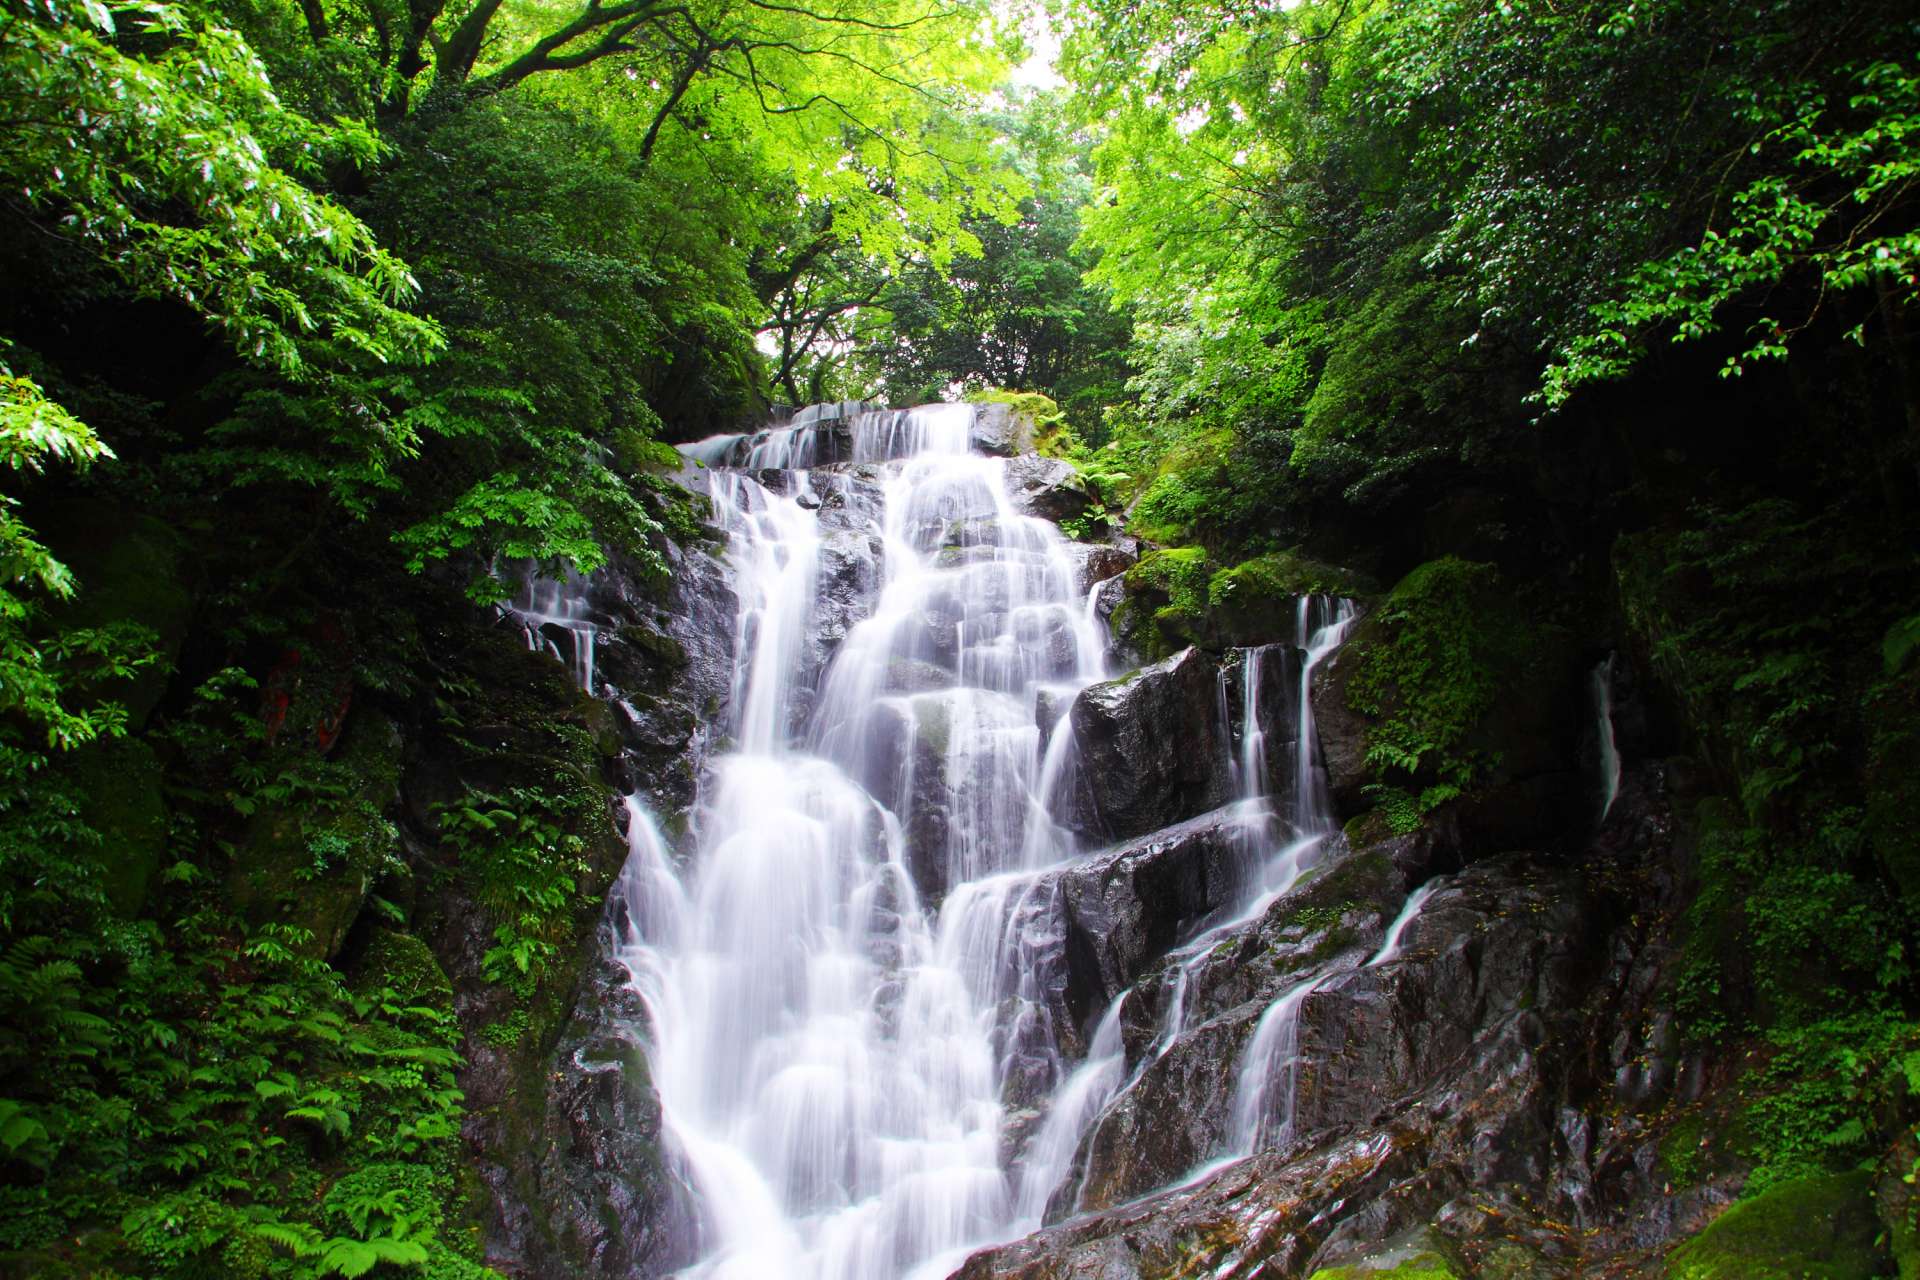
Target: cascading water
1282,843
1269,1071
845,974
1602,681
553,612
831,1054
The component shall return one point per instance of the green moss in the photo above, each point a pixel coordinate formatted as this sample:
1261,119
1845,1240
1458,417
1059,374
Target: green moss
1429,667
1168,585
1254,601
658,645
1425,1266
118,781
406,964
1813,1229
310,856
1423,1254
1680,1151
1052,435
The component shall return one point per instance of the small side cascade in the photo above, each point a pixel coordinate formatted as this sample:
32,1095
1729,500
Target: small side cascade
1394,943
1284,842
1268,1079
551,611
1602,682
1049,1158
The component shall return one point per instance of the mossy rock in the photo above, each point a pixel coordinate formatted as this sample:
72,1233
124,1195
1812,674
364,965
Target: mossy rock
312,865
129,568
1165,605
1039,425
1256,601
1422,1254
1423,1266
1821,1228
118,781
1466,700
405,963
658,645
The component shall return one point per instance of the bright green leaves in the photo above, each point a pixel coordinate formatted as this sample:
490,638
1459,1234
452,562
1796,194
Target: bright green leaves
1830,211
38,671
182,169
527,865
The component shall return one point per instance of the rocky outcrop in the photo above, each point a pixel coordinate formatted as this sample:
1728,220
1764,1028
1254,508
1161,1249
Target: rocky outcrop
1125,908
603,1197
1000,431
1342,730
1486,1094
1189,1021
1153,748
1049,488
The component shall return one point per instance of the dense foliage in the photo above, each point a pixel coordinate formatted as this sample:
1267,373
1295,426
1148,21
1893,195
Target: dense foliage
326,321
1610,304
317,317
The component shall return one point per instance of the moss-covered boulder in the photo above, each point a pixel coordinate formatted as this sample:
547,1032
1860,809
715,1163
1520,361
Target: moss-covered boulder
1257,601
1450,694
1820,1228
1015,422
1164,608
129,568
403,963
311,860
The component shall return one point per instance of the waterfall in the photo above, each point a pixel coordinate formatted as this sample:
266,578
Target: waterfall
1268,1079
1392,945
841,979
550,610
845,966
1609,749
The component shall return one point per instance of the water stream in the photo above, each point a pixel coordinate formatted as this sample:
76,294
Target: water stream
844,970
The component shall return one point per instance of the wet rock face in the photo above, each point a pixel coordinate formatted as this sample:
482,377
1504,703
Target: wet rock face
1342,730
1261,1218
1178,1115
1049,488
602,1198
666,665
1127,907
1461,1094
1153,748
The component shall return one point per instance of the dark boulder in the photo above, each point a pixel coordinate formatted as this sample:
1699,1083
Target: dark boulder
1152,748
1127,907
602,1197
1050,488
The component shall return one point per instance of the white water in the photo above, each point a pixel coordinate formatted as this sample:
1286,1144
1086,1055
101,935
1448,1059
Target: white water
1395,942
1269,1077
546,604
838,1012
1609,749
830,1054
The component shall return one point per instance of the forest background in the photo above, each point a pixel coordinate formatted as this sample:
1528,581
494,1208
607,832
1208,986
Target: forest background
324,319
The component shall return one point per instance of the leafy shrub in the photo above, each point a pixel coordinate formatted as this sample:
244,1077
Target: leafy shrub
1426,679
